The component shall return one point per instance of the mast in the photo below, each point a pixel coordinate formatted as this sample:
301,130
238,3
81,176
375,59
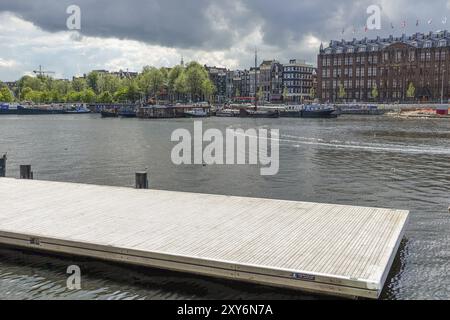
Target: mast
256,80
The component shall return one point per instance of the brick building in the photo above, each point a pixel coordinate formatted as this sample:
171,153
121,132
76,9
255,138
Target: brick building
383,69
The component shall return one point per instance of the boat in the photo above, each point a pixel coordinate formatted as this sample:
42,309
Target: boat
6,109
77,110
196,113
318,111
258,114
360,110
227,113
39,110
109,113
127,114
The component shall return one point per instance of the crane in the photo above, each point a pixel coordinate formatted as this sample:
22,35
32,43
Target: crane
41,72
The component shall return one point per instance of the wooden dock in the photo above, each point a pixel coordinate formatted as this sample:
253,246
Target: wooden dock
320,248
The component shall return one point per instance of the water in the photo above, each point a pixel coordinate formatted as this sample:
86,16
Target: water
367,161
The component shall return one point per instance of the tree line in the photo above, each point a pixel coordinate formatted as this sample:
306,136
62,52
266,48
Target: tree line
180,83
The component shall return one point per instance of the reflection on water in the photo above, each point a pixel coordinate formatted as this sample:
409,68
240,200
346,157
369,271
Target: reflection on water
368,161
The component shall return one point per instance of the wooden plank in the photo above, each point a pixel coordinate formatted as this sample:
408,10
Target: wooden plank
332,249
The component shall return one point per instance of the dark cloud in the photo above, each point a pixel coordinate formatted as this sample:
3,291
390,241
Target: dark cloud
212,24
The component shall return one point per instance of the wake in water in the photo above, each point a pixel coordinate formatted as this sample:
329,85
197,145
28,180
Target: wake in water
296,141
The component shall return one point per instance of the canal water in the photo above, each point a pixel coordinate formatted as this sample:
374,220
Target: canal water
367,161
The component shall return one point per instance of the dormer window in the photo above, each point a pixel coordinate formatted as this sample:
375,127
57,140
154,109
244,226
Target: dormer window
428,44
362,49
339,50
328,51
350,50
442,43
374,48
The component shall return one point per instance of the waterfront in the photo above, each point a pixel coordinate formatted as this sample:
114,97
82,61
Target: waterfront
369,161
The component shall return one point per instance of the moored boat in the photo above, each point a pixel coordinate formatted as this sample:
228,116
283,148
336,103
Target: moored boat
109,114
318,111
196,113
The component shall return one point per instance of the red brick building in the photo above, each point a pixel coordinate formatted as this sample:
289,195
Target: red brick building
386,69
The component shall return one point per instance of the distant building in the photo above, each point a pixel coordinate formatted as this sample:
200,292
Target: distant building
271,80
298,80
218,76
383,69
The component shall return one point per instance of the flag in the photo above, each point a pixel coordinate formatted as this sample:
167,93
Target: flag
404,24
444,20
392,25
365,28
430,21
417,23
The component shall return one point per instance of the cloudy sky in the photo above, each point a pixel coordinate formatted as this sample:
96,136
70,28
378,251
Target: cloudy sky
129,34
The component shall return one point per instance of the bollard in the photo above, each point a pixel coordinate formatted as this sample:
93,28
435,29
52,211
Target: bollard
141,180
3,166
25,172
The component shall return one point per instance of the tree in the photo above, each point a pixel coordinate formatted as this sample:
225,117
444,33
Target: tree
411,92
208,89
89,96
133,92
93,81
151,81
374,92
74,96
341,93
260,93
237,93
105,97
79,84
172,78
181,88
312,93
6,95
285,94
195,77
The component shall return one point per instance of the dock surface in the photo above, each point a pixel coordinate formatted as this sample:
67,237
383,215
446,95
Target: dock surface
319,248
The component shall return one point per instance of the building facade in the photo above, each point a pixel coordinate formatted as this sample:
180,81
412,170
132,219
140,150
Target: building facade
218,77
297,81
394,69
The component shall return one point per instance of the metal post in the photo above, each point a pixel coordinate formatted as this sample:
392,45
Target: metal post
3,166
141,180
25,172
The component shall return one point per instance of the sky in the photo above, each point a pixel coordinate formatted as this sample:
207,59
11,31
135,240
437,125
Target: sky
130,34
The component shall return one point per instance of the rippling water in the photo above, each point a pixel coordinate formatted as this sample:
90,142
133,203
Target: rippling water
367,161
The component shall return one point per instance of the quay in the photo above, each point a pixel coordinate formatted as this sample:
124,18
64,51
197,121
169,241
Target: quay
320,248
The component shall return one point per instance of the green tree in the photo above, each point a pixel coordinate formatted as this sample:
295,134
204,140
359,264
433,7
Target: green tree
208,89
105,97
260,93
93,81
374,92
196,74
411,92
79,84
172,78
74,96
342,92
181,88
151,81
312,93
6,95
285,93
89,96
